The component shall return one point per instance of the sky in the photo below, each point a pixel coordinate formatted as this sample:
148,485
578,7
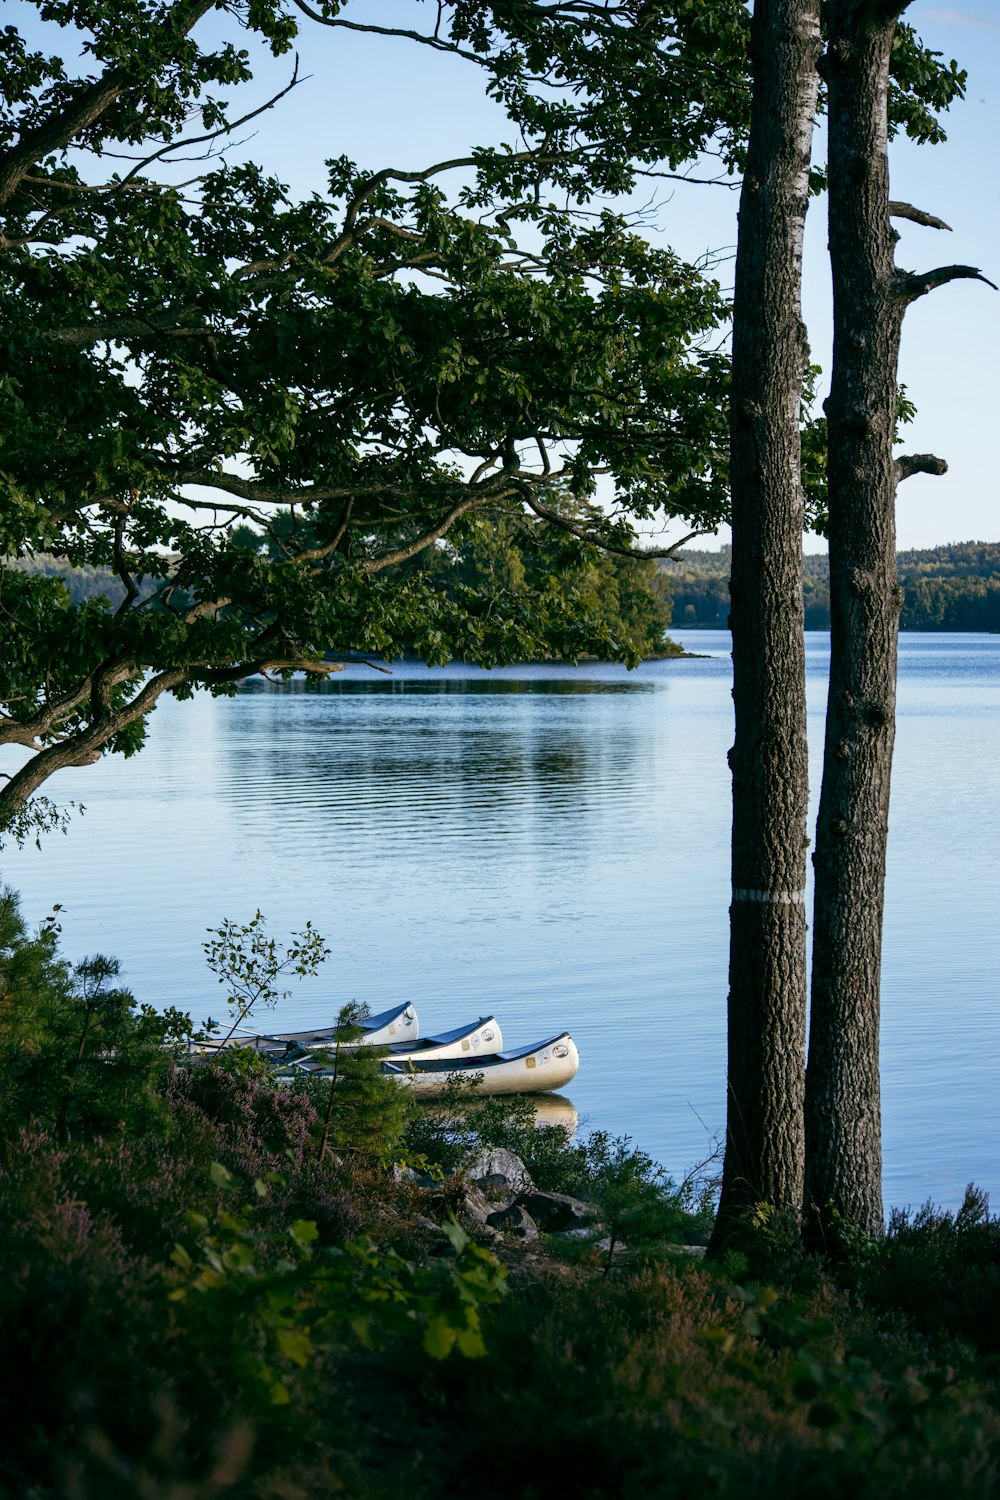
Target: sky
389,102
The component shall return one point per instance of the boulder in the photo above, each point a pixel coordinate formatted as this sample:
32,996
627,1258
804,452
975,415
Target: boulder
475,1209
553,1212
620,1248
499,1162
495,1187
410,1176
514,1220
437,1242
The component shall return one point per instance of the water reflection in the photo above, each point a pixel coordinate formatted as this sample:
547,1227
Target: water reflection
486,765
555,1109
486,685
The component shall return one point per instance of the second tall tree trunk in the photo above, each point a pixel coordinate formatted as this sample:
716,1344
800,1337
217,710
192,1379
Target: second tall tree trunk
843,1118
871,295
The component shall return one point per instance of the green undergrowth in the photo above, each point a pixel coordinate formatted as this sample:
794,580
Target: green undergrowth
213,1284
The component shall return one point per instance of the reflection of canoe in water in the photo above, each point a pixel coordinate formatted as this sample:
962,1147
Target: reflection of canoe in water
471,1040
548,1109
556,1109
529,1070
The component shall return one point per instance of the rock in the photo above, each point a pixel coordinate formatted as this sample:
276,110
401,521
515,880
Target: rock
410,1175
514,1220
494,1186
553,1212
475,1207
605,1246
437,1241
574,1234
499,1163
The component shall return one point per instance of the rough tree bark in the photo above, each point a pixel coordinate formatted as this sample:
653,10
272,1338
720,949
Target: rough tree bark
767,970
842,1111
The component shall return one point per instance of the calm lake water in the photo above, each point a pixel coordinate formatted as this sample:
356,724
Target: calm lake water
552,844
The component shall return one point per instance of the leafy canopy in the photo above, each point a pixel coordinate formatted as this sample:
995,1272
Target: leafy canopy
351,374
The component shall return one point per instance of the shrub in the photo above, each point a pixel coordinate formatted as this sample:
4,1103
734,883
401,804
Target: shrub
78,1055
941,1270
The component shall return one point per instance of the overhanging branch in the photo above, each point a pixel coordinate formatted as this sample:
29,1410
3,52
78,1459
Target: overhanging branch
213,135
911,285
436,42
635,554
434,534
908,464
899,210
88,106
218,676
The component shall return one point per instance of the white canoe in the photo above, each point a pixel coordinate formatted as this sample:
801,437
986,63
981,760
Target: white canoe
387,1029
481,1037
529,1070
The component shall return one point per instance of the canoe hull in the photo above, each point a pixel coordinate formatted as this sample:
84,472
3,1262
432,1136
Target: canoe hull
537,1070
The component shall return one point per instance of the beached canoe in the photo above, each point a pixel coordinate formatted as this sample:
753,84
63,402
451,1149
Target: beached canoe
471,1040
528,1070
387,1029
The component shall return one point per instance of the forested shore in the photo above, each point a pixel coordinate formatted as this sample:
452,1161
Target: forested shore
955,587
949,588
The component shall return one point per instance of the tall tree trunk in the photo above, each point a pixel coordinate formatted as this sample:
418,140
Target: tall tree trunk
843,1115
842,1096
767,969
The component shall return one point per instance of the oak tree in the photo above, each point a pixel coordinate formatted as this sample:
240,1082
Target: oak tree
351,375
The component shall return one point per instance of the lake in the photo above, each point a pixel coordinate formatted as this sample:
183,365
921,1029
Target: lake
551,843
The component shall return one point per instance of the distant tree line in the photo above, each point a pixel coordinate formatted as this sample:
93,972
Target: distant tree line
945,588
83,581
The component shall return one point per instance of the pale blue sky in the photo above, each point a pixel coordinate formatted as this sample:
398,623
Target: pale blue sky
386,102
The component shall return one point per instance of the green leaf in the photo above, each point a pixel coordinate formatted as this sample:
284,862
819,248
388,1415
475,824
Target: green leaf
238,1257
304,1232
456,1235
470,1340
296,1345
439,1338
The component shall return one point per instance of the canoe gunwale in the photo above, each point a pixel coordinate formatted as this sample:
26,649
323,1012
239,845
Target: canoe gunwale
327,1035
476,1064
